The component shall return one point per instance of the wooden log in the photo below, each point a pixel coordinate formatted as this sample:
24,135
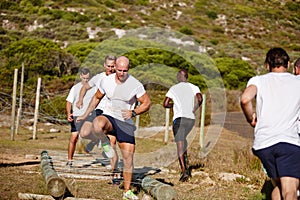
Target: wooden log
158,190
29,196
55,185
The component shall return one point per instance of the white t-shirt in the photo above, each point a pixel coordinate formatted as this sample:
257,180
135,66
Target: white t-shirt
277,109
73,97
121,96
183,95
95,82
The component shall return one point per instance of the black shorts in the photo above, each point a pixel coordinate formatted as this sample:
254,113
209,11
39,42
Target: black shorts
123,131
281,159
75,127
182,127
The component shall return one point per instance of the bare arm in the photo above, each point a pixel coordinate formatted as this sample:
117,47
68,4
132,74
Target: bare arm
168,103
199,103
93,104
144,107
246,104
69,113
82,93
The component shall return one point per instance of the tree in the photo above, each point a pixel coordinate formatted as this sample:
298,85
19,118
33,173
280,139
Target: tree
235,72
40,56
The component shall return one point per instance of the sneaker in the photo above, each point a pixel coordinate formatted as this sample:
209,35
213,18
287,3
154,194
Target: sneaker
116,180
129,195
69,164
90,146
108,150
184,176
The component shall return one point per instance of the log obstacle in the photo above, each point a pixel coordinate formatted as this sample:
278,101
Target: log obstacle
29,196
55,185
158,190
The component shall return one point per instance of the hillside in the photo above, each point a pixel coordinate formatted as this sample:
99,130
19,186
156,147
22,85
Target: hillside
223,41
242,29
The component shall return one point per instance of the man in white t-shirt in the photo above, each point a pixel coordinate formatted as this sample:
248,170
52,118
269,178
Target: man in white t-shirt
109,66
183,95
73,112
122,91
276,139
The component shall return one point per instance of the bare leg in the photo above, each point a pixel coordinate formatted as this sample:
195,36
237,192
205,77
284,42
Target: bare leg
72,145
276,191
180,155
289,187
86,131
101,126
114,160
127,153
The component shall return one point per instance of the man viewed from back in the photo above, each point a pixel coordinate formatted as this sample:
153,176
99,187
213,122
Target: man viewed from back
276,140
183,95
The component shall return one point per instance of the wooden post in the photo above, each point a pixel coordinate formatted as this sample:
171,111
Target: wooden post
158,190
55,185
36,112
20,101
167,125
201,138
13,109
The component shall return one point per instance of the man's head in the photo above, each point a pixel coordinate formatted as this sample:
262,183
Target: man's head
297,67
109,64
277,57
84,75
182,75
122,68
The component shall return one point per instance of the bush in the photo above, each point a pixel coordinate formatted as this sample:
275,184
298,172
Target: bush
186,30
235,72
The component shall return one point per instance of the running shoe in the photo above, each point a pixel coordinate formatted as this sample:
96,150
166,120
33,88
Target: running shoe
69,164
90,146
129,195
108,150
185,176
116,180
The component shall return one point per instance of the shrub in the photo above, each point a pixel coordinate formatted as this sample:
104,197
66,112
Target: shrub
186,30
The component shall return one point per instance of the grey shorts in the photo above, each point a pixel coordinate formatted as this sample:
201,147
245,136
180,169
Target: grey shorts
182,127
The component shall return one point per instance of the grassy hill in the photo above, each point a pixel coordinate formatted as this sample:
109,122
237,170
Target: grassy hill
240,29
56,37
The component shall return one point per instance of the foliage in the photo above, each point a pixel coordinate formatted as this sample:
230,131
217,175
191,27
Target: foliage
40,57
235,72
186,30
81,50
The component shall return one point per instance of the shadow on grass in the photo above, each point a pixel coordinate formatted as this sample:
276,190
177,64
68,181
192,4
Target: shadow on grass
19,164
